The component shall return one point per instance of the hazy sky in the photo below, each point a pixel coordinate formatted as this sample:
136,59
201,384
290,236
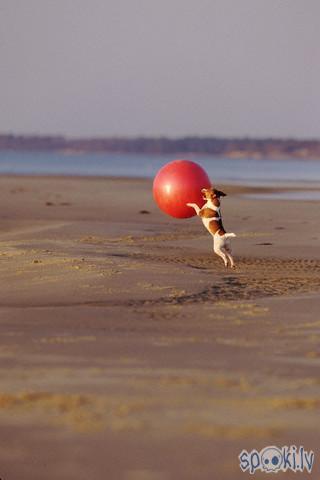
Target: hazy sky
160,67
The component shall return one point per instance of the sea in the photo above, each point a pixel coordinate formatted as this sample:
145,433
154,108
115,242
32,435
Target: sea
289,172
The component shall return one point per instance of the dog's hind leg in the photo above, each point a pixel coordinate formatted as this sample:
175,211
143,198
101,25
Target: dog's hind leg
228,252
220,252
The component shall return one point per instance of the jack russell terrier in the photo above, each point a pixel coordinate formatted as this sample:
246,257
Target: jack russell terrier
210,214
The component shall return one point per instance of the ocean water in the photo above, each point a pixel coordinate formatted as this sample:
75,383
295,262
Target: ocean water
244,171
296,195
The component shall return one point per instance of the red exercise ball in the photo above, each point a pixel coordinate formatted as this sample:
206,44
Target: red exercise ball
178,183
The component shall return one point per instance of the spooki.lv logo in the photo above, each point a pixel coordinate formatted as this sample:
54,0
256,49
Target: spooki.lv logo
273,459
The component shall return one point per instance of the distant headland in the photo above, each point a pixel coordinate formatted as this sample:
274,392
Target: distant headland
215,146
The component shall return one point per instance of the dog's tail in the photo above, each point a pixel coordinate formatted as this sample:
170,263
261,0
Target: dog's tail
229,235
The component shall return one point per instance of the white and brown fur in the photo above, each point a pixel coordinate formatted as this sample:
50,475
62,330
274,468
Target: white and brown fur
211,219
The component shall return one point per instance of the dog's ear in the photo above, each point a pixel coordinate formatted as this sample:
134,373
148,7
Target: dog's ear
221,194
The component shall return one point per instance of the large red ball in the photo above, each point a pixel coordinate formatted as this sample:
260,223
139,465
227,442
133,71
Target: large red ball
178,183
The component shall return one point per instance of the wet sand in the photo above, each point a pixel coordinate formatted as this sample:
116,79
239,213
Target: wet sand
129,352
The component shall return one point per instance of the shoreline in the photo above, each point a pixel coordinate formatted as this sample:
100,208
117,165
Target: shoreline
234,186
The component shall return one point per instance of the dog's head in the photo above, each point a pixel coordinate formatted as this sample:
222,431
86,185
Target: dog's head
211,193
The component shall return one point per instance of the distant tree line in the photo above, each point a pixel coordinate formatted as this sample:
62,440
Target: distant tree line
264,147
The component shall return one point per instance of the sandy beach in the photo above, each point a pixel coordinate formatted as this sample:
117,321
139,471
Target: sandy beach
128,351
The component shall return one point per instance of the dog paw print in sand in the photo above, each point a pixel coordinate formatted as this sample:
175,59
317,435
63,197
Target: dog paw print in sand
257,277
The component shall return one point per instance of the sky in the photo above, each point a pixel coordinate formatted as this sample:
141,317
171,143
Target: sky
160,67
